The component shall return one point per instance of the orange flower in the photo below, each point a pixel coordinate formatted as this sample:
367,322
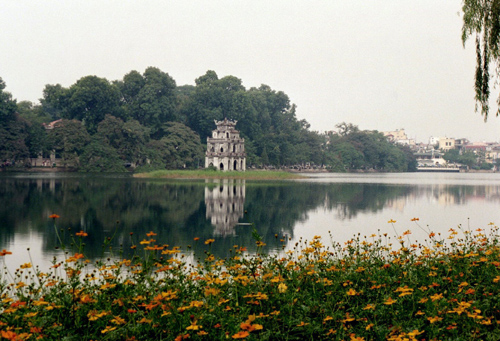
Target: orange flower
81,234
5,252
351,292
151,233
54,216
209,241
390,301
9,335
240,335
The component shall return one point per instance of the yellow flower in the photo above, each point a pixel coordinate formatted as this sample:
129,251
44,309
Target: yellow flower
369,307
240,335
434,319
389,301
118,320
351,292
436,297
107,329
282,288
193,326
391,221
211,291
209,241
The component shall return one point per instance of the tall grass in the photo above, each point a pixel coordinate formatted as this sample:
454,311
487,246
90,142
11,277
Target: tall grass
214,174
365,289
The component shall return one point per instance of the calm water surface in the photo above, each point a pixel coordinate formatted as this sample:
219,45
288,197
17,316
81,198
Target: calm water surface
334,206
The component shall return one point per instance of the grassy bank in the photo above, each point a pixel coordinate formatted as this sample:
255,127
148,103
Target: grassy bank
213,174
366,289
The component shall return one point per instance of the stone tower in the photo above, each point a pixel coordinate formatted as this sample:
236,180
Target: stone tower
226,149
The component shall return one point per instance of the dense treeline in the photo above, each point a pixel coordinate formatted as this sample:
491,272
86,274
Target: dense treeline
147,121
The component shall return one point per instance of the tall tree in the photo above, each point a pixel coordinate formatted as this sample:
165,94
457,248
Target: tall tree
55,101
13,129
8,105
149,98
127,138
89,100
481,18
180,147
68,139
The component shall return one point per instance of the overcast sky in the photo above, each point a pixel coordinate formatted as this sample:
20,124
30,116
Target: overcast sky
379,64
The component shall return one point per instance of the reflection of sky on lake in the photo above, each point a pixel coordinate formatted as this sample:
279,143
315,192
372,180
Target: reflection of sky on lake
433,202
36,255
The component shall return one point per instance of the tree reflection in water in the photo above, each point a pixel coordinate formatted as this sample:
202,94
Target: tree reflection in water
179,211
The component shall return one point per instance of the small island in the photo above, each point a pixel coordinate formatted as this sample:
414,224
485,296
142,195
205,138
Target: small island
214,174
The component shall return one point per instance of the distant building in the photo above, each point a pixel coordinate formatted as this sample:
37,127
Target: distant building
430,158
399,136
226,149
433,140
461,143
446,143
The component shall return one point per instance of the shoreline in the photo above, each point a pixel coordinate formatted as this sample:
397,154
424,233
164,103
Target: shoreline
197,174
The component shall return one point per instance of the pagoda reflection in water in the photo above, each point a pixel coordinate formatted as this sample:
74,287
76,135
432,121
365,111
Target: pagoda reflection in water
224,201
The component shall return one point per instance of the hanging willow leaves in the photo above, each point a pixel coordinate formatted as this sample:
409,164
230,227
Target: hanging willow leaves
482,19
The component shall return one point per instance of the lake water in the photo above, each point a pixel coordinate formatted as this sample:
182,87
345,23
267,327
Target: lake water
334,206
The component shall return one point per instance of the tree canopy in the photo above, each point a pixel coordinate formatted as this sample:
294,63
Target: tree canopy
146,120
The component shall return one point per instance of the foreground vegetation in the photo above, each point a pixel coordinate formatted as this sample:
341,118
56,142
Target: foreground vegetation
370,288
215,174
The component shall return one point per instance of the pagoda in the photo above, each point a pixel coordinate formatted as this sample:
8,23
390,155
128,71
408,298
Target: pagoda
226,149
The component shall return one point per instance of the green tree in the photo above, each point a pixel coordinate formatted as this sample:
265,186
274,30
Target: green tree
33,113
98,156
150,98
452,156
481,18
179,147
8,105
13,129
55,101
468,158
36,140
68,139
129,138
211,100
89,100
13,136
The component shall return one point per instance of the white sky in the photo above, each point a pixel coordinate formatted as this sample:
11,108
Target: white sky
379,64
